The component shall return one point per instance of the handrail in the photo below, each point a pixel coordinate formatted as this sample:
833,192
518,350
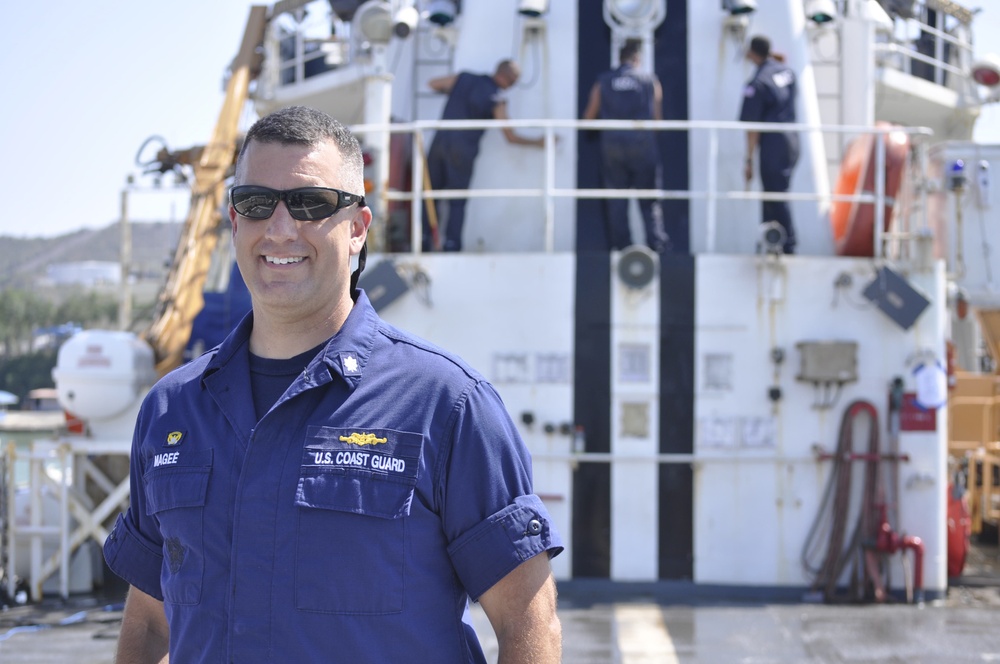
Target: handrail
550,191
926,59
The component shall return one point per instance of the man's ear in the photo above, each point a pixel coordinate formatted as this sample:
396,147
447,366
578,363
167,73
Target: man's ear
360,223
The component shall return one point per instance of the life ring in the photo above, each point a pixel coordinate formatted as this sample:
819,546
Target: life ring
853,222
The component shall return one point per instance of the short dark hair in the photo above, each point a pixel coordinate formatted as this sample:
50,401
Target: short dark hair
300,125
761,46
508,68
630,50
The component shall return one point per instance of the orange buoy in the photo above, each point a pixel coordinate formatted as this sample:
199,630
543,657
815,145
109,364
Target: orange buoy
853,222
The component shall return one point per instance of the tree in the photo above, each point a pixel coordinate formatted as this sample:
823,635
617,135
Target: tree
24,367
21,312
89,309
38,313
20,375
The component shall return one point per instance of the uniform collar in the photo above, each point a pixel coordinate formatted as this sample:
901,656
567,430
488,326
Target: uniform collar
346,354
349,350
237,341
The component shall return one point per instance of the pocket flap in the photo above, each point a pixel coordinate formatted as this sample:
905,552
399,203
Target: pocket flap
176,485
371,472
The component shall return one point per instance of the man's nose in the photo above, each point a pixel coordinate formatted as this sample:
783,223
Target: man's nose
280,224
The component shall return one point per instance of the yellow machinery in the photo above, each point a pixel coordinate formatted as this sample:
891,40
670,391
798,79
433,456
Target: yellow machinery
181,298
974,429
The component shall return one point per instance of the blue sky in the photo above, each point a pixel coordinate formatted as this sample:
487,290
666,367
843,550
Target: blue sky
87,82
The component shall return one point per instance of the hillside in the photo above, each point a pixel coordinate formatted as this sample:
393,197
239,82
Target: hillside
24,260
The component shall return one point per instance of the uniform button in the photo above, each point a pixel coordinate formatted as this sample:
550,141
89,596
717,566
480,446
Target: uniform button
534,527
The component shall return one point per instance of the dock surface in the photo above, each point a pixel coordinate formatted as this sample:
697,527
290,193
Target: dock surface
663,628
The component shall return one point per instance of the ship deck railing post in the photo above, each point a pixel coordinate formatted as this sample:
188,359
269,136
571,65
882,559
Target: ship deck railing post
550,185
881,137
713,185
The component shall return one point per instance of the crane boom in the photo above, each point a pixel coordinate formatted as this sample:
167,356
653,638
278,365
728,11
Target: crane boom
182,299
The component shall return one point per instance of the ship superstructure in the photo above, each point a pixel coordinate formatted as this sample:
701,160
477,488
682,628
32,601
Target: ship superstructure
691,415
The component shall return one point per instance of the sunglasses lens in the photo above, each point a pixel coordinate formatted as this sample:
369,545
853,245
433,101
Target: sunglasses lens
254,202
304,203
312,203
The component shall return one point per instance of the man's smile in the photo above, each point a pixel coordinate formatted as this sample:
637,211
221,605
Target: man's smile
283,260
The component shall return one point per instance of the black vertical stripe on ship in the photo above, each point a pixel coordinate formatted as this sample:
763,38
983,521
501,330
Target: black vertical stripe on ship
591,545
671,67
593,57
592,409
677,289
676,481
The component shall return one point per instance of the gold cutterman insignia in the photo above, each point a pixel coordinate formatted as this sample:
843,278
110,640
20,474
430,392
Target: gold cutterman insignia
174,437
363,439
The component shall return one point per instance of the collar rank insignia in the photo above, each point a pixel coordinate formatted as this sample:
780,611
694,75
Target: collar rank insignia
174,438
349,363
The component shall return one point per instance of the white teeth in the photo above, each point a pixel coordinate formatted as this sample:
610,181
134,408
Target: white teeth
283,261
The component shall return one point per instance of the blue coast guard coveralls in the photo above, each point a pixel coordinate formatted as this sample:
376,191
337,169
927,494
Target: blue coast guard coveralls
770,97
630,159
453,152
348,525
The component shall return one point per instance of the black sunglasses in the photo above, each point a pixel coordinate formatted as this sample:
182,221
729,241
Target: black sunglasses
303,203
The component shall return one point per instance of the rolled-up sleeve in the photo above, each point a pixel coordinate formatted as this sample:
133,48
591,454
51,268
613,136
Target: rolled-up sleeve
131,556
491,550
491,516
134,549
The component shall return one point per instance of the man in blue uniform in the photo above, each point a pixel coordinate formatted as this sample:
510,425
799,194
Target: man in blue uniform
323,487
770,97
630,158
453,151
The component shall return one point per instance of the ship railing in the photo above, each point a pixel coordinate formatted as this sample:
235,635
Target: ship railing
301,44
712,194
906,57
940,52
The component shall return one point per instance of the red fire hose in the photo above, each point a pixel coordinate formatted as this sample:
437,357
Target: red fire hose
872,535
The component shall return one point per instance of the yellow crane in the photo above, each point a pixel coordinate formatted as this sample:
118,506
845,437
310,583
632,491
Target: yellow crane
181,298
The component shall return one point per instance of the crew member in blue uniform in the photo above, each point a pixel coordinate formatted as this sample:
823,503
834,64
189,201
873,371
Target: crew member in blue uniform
322,486
453,151
630,158
770,97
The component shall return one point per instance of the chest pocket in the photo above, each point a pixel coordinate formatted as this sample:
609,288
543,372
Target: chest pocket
176,485
354,493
